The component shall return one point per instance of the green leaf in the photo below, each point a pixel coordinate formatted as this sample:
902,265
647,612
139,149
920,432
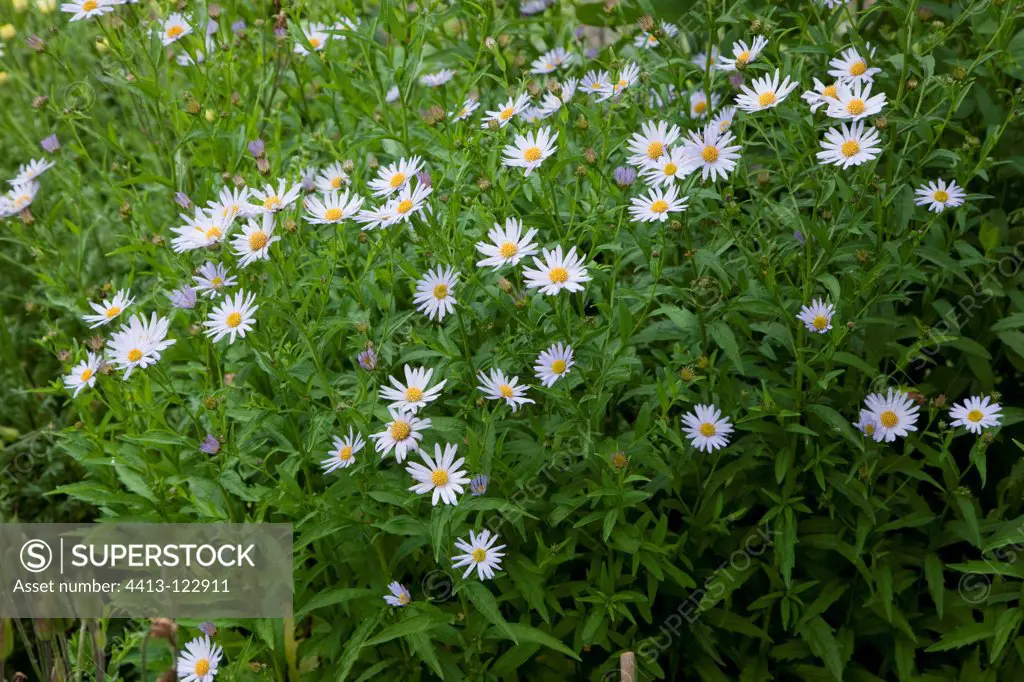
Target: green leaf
936,583
331,598
1006,625
485,603
723,336
961,637
350,653
409,626
527,634
822,643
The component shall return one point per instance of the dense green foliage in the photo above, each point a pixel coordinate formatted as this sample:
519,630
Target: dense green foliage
801,551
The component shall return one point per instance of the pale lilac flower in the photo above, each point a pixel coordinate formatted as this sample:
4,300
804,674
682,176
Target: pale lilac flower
183,297
182,199
478,485
238,26
50,144
256,148
624,177
368,359
210,445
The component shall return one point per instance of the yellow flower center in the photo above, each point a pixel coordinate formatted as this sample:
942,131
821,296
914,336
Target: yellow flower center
940,196
622,83
506,114
700,107
508,249
710,153
89,5
214,233
670,168
655,150
234,319
479,554
405,206
345,454
707,429
403,598
134,355
595,86
413,394
87,374
869,429
972,416
820,322
397,179
217,282
849,148
532,154
202,667
829,91
257,240
272,203
314,43
659,206
332,214
724,124
174,31
439,477
558,366
336,182
112,312
858,68
855,107
506,391
400,430
889,419
766,98
441,291
558,275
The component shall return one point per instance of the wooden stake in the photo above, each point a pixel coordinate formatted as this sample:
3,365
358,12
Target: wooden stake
627,667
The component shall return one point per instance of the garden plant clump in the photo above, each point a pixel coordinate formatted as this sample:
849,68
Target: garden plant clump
557,330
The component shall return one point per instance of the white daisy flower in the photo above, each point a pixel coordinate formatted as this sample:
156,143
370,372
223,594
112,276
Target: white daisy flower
723,119
480,553
742,54
343,455
713,153
867,424
28,172
372,218
83,374
108,310
230,204
817,317
497,386
332,178
938,195
532,115
436,80
976,414
22,195
508,244
627,76
402,434
699,104
705,61
529,151
557,272
333,208
273,200
553,364
316,34
653,140
849,146
199,661
649,41
87,9
854,101
433,295
411,200
551,102
414,394
393,178
212,279
254,242
202,230
851,67
235,316
670,168
138,343
441,475
507,112
399,595
767,92
706,428
467,109
596,82
821,95
392,95
895,412
657,205
551,60
174,29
